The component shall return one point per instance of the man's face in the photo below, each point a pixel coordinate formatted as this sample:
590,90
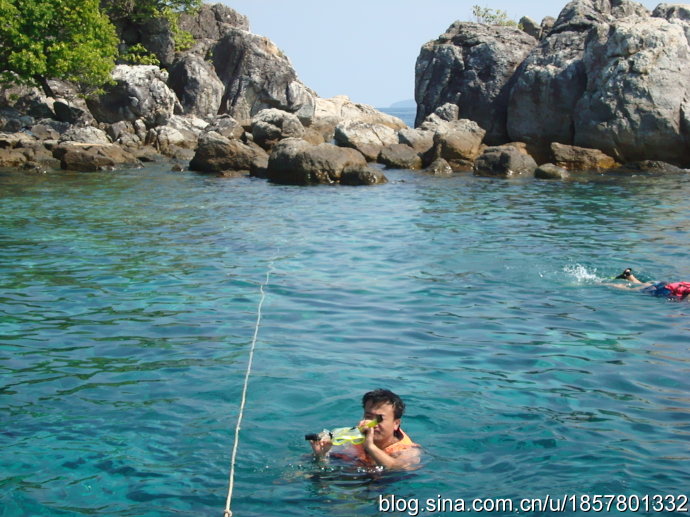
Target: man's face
388,424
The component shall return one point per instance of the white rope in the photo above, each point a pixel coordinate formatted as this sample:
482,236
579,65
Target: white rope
231,484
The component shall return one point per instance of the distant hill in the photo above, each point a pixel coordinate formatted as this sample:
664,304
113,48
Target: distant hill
409,103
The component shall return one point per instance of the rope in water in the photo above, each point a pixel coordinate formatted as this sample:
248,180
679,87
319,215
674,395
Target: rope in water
231,483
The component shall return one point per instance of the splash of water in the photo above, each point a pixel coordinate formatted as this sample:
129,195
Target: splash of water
581,274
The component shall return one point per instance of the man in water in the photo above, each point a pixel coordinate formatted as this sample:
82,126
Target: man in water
385,444
674,291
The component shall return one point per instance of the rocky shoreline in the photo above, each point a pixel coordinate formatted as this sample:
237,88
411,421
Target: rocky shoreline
233,105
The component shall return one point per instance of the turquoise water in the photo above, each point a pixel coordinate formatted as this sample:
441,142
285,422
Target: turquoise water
129,302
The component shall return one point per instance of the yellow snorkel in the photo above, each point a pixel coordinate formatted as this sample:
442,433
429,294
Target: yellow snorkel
343,435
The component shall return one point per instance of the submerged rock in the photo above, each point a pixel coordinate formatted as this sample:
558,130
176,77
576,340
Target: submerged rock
549,171
362,176
506,161
439,167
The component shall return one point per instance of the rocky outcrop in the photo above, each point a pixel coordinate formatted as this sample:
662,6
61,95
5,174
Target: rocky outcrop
140,92
212,22
471,66
208,24
296,162
257,75
198,88
552,80
606,75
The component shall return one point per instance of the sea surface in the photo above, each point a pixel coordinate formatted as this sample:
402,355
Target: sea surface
129,302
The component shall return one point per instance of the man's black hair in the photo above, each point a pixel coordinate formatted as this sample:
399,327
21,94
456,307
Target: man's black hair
381,396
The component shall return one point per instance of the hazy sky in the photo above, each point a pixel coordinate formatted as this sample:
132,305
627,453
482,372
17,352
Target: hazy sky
367,49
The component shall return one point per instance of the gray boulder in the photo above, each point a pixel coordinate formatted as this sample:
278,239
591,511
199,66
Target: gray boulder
367,138
197,86
272,125
215,153
140,92
459,143
505,161
73,111
418,139
637,102
471,66
400,156
296,162
531,27
257,75
226,126
445,113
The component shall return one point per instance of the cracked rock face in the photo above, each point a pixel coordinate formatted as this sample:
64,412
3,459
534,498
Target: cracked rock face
471,66
635,106
140,92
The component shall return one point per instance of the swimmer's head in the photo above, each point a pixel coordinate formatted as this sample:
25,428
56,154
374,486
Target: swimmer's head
381,396
625,274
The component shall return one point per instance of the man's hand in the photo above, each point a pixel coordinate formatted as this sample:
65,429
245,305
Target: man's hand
321,447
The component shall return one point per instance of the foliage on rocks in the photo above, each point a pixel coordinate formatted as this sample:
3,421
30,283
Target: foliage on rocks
62,39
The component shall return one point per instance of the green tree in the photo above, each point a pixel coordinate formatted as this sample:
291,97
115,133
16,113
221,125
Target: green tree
492,16
61,39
